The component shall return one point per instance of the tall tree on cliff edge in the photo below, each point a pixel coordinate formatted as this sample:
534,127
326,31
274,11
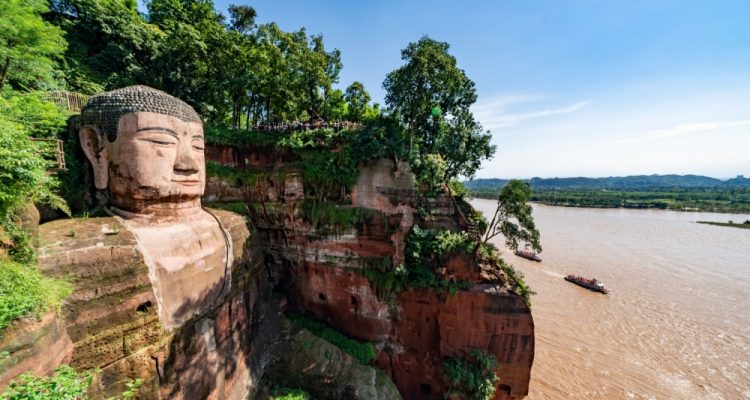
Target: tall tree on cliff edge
432,96
357,99
29,46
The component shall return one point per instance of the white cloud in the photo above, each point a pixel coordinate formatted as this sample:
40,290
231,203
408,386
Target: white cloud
684,129
494,114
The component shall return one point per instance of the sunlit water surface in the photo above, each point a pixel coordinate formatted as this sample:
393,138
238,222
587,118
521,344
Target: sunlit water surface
677,323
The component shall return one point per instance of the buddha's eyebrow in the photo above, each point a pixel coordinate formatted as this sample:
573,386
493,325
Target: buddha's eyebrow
197,136
158,128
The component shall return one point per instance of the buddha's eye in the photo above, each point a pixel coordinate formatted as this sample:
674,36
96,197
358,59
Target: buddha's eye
162,139
198,144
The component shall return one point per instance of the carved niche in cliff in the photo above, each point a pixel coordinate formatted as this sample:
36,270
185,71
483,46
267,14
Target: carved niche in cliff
147,153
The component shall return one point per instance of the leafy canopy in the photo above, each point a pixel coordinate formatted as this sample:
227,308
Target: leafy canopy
513,218
432,97
29,45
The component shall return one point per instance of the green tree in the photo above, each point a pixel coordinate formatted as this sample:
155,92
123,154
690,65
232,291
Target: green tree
432,97
110,44
29,46
513,218
357,99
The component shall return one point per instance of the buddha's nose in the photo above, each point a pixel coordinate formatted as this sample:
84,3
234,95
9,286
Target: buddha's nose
185,161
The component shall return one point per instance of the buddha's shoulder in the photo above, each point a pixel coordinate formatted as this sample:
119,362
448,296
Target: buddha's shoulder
85,241
237,225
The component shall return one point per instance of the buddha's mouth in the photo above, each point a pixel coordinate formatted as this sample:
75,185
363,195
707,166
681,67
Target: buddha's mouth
187,182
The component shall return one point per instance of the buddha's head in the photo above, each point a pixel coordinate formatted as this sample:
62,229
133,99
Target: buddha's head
146,148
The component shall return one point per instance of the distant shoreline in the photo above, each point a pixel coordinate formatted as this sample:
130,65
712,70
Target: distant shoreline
727,224
715,200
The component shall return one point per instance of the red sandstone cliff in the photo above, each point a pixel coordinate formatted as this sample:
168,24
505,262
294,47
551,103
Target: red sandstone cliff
323,275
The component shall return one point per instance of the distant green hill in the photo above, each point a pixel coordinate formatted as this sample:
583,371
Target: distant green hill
633,182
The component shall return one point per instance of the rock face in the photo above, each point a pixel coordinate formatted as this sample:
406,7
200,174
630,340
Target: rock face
326,372
324,273
111,321
233,339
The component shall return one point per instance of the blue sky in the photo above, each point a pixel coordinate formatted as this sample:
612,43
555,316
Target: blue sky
568,88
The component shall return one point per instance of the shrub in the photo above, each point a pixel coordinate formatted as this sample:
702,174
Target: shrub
362,352
64,384
519,285
458,189
430,172
23,171
24,292
327,215
471,376
289,394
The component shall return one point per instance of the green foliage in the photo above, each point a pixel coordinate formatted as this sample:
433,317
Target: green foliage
487,252
513,217
362,352
471,376
18,241
381,137
431,80
458,189
357,99
426,250
282,393
24,292
23,170
322,215
430,172
132,389
29,46
516,278
666,192
35,116
387,283
240,137
64,384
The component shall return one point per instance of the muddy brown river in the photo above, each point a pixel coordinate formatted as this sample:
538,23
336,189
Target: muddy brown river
676,324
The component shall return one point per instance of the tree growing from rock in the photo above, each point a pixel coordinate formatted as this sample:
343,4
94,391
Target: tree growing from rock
513,218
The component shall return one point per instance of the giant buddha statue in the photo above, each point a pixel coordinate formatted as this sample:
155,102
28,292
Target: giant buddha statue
146,148
163,289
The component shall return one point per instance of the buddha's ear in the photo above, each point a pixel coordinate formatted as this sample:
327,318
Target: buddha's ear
93,146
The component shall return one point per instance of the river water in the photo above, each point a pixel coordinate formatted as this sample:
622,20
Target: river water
676,324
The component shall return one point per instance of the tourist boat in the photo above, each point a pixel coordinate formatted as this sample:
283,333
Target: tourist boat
591,284
528,254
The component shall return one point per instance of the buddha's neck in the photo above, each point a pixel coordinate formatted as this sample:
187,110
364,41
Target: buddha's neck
148,211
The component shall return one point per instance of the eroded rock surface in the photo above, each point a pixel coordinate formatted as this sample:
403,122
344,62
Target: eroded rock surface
111,320
324,274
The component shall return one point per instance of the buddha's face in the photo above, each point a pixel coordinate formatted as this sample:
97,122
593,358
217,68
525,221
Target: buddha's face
155,158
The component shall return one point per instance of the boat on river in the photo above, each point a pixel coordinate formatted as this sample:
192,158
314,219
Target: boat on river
528,254
590,284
